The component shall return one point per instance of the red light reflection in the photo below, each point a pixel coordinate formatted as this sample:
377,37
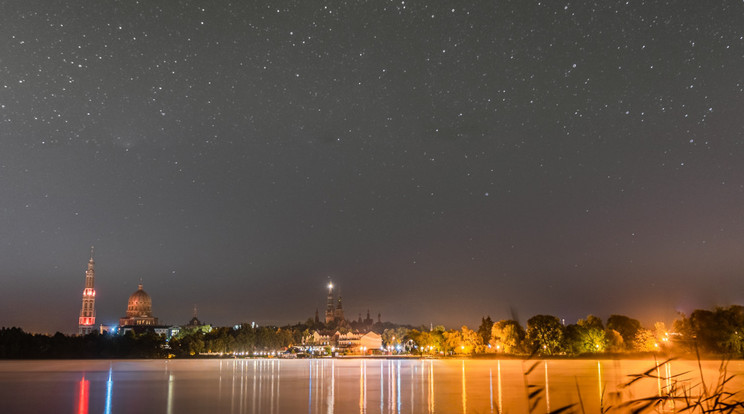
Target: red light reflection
84,385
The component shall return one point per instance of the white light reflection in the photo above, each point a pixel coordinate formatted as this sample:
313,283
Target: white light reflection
169,408
310,388
109,391
391,380
490,385
362,387
382,388
273,395
332,391
398,387
255,380
278,382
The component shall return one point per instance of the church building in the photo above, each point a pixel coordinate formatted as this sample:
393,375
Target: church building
333,313
139,310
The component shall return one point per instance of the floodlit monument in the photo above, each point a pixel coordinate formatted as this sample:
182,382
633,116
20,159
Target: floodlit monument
139,310
87,319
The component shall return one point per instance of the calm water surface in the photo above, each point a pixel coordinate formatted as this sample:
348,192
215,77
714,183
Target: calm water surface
332,385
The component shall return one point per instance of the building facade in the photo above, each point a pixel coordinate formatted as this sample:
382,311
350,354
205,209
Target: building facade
139,310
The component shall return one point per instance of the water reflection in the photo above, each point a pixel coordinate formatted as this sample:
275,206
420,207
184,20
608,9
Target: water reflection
338,385
547,389
599,381
83,389
464,390
332,391
362,386
169,407
431,386
310,389
501,402
109,390
490,386
398,386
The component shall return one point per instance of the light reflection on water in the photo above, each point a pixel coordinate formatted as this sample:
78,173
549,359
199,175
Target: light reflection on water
333,385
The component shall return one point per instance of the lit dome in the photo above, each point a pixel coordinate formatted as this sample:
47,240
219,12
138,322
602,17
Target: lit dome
140,304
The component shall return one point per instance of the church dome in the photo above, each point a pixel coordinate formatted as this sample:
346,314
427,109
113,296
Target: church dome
140,304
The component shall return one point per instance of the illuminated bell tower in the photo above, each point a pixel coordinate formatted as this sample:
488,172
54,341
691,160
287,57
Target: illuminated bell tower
330,308
87,321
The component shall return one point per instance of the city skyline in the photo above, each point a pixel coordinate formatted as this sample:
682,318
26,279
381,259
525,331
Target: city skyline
441,162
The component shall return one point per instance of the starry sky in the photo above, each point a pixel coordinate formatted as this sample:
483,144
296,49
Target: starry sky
440,161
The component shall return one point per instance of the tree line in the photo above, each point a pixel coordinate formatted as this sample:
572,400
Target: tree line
718,331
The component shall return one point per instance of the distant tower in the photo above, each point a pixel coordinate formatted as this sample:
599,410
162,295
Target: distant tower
195,322
339,313
317,318
87,320
330,309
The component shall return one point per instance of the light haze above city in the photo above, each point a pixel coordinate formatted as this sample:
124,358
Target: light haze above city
439,162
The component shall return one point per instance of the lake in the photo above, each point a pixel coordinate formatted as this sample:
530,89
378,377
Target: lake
336,385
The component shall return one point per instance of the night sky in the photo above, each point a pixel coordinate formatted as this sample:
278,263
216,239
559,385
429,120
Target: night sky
440,161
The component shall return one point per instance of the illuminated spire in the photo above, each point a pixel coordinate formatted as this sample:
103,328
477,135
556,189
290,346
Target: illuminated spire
91,263
87,318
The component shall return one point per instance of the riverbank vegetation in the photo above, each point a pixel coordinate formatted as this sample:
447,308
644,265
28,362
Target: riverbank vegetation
718,332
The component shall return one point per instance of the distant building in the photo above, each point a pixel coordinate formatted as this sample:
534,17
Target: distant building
350,342
195,325
330,313
335,318
339,312
139,311
333,313
87,319
359,343
194,322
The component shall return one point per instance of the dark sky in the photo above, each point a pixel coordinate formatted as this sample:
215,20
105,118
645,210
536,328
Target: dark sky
439,160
